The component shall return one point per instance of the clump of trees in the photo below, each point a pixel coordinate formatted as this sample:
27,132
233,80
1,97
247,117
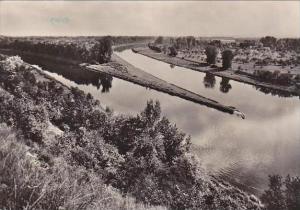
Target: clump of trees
227,56
268,41
211,54
282,194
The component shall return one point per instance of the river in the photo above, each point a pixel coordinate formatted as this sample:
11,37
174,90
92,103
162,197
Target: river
247,151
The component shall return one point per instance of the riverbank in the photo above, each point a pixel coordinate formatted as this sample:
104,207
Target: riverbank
123,70
202,67
145,156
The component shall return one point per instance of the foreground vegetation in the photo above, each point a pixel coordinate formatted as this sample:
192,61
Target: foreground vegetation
29,183
77,151
282,194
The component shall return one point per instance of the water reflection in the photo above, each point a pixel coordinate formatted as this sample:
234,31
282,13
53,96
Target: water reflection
273,92
224,85
74,73
209,80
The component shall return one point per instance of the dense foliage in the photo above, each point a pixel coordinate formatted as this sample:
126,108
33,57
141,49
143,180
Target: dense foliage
26,183
282,194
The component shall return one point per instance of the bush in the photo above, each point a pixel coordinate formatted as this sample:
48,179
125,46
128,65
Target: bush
154,47
227,56
173,51
211,54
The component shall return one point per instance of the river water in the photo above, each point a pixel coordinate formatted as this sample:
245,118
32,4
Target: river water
246,151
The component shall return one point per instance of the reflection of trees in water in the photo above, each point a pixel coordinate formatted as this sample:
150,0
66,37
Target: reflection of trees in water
74,73
273,92
106,82
224,85
209,80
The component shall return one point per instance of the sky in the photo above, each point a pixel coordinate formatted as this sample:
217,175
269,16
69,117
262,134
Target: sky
168,18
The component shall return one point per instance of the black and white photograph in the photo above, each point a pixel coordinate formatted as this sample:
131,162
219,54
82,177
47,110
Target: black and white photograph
149,105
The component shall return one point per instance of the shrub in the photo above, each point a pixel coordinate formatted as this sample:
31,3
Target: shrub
227,56
154,47
211,54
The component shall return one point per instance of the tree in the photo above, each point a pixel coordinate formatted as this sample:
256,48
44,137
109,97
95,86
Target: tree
292,192
268,41
103,49
227,56
211,54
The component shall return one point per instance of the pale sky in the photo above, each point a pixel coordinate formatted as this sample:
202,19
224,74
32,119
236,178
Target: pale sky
198,18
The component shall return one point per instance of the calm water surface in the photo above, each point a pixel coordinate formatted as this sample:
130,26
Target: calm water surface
266,142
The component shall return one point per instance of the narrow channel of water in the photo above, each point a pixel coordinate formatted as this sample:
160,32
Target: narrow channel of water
266,142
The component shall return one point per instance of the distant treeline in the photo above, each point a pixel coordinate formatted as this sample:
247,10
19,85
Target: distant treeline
184,42
91,51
